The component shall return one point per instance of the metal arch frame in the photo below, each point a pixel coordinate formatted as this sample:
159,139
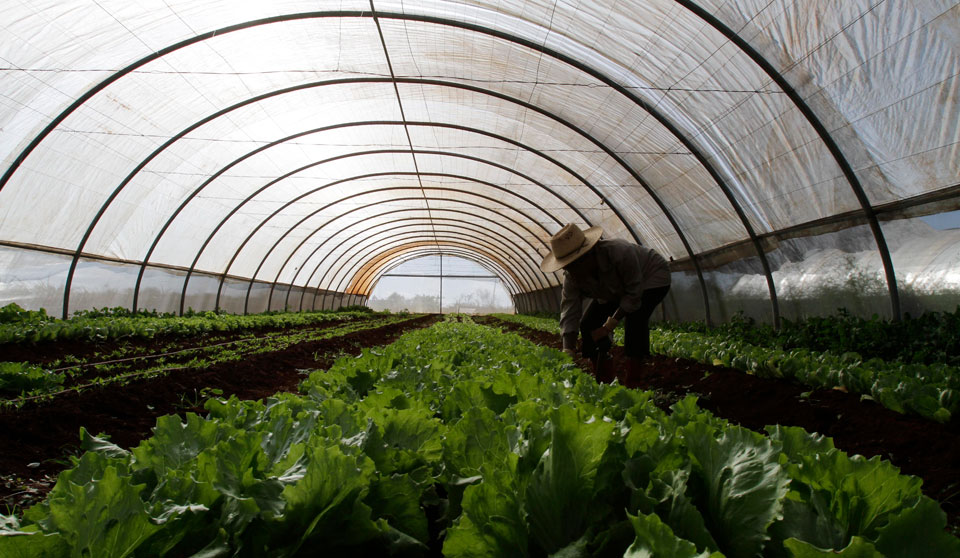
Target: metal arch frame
425,251
223,275
502,251
691,6
478,160
825,136
252,195
243,244
290,17
481,91
242,158
372,234
383,244
446,175
476,28
79,251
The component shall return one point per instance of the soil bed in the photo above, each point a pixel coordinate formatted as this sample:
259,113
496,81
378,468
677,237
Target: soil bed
37,440
916,445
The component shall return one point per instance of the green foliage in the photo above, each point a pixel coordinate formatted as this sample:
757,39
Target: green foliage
464,440
928,339
14,314
19,377
926,390
929,390
120,323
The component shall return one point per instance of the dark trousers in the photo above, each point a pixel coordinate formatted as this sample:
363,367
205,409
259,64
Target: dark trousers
636,325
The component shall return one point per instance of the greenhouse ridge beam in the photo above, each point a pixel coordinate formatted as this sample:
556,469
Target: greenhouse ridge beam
825,137
263,148
372,232
403,114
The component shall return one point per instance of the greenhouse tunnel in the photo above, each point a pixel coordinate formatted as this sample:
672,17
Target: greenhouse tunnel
788,158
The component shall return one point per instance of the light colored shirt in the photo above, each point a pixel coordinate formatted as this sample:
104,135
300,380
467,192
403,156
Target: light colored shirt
624,271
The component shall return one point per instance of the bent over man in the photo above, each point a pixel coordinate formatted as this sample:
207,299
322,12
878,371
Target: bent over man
624,281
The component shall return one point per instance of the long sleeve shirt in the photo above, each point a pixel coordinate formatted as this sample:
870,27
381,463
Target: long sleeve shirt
624,271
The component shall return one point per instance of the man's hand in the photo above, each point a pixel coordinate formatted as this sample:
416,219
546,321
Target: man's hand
605,330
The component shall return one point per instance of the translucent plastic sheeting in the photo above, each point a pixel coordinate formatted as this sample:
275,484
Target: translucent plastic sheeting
31,278
93,275
161,289
739,287
927,261
245,138
234,295
818,275
684,301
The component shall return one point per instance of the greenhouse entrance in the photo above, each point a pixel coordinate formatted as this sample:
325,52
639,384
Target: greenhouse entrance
444,284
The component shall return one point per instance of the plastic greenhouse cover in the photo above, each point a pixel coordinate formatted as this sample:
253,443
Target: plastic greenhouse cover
296,143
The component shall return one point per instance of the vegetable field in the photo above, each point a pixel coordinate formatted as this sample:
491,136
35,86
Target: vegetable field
460,439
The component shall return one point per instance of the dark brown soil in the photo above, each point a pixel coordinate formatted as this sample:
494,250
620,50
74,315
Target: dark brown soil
916,445
37,441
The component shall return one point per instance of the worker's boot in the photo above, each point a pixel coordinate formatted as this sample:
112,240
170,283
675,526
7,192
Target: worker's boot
603,368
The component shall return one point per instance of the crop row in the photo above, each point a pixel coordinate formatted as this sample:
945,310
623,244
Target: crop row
20,326
931,391
462,440
930,338
33,383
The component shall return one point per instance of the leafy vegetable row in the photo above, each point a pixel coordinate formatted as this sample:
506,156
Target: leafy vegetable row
22,326
930,338
27,382
462,439
931,391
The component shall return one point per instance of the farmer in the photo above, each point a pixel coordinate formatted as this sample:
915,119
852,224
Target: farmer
623,280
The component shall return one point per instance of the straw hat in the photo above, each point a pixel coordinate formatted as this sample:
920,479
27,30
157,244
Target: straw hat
569,244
